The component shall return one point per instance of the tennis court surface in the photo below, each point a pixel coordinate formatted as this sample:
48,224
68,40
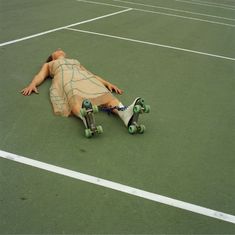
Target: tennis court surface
177,177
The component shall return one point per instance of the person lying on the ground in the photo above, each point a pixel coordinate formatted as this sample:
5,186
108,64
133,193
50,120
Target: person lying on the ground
72,84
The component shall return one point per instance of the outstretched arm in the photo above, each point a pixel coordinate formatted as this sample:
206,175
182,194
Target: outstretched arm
109,85
37,80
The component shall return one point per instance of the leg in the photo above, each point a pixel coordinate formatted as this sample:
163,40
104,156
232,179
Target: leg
130,115
76,109
123,114
113,103
86,113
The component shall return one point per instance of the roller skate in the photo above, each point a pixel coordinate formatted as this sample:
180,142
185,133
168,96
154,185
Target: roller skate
138,107
87,112
130,116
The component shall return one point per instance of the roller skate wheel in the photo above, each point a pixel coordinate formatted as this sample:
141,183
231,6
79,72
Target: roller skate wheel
137,108
132,129
83,112
99,129
95,108
87,103
141,101
141,129
147,108
88,133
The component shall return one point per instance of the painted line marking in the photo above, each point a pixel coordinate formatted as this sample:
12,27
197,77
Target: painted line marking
101,3
120,187
216,4
153,44
206,4
162,13
186,17
63,27
171,9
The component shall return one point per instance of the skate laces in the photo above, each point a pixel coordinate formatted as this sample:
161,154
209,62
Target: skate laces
109,110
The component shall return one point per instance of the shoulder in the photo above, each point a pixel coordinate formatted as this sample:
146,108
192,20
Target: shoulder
45,67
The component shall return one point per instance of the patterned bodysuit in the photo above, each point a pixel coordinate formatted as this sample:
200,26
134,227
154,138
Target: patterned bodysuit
71,84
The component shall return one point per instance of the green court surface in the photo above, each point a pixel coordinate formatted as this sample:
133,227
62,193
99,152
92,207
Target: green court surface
180,57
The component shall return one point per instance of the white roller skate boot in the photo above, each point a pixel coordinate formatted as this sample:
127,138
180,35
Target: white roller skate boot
130,116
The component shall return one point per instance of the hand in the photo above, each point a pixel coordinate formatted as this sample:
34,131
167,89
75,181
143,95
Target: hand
112,87
29,89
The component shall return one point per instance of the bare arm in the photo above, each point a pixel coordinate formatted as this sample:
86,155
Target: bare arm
37,80
109,85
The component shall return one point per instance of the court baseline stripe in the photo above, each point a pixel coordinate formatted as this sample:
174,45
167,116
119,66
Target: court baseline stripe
101,3
120,187
185,17
212,3
153,44
63,27
204,4
170,9
162,13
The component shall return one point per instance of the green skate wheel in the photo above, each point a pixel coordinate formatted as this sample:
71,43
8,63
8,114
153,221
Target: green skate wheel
137,108
83,112
141,129
132,129
99,129
88,133
141,101
147,108
95,108
87,103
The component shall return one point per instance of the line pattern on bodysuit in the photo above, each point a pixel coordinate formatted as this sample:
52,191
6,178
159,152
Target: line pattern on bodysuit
70,88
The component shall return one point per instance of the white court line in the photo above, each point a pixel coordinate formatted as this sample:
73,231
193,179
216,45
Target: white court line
153,44
172,9
120,187
63,27
186,17
213,3
101,3
205,4
162,13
